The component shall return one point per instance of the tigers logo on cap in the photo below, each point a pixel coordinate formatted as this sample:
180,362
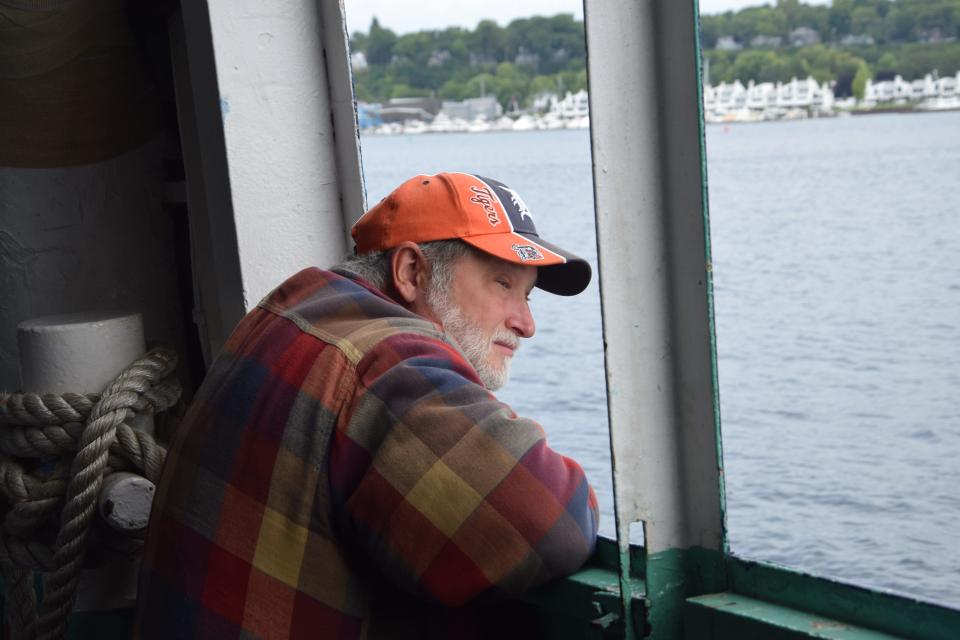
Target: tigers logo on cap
482,212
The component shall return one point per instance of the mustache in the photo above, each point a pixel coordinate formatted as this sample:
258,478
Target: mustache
506,337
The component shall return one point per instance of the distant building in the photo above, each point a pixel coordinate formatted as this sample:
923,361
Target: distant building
573,105
923,88
527,59
851,40
728,43
439,58
404,109
730,102
928,89
477,59
897,90
804,37
765,42
933,35
559,56
358,61
485,108
542,101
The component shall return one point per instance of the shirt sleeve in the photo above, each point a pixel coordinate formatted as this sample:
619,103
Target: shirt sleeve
444,489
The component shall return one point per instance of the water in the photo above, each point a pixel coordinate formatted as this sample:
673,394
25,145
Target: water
835,245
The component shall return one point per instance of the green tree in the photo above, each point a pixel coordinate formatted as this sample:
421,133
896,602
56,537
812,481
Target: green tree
482,84
454,90
710,30
860,78
358,41
758,66
887,65
488,41
898,25
866,21
512,84
840,17
380,43
544,84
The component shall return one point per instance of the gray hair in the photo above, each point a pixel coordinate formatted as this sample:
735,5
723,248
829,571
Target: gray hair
441,255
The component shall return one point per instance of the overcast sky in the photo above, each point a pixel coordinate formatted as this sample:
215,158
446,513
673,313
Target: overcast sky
404,16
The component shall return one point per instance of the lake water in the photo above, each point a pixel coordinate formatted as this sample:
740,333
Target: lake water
836,245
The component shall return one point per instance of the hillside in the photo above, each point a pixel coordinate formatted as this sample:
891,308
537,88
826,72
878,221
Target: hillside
845,43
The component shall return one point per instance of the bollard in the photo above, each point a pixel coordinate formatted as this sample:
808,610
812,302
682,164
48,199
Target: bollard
125,500
80,352
83,353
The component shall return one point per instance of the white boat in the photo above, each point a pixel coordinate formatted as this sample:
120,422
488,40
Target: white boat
525,122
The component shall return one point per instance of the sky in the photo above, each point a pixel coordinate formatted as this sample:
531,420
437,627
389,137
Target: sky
414,15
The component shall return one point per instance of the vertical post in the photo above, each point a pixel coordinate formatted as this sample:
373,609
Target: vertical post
346,129
652,236
270,146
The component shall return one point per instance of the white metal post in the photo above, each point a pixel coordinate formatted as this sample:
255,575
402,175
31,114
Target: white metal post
655,285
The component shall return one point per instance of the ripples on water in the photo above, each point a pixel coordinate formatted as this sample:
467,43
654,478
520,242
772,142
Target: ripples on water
835,250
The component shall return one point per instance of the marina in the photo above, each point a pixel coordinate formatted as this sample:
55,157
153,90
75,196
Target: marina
723,103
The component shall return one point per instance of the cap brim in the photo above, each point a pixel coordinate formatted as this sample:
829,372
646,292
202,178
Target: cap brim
559,271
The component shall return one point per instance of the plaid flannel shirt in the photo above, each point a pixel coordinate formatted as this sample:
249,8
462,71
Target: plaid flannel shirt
342,473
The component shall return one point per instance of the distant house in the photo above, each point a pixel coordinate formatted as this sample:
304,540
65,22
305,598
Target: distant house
358,61
527,59
804,37
485,108
542,101
477,59
924,88
439,58
897,90
728,43
851,40
725,96
573,105
559,56
729,102
930,92
765,42
948,87
932,35
404,109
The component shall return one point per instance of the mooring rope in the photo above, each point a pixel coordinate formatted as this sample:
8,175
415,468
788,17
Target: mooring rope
55,451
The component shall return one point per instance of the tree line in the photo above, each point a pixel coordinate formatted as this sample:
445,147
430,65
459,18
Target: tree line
883,21
853,40
513,63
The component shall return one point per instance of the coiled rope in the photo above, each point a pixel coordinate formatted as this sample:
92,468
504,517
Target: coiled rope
55,451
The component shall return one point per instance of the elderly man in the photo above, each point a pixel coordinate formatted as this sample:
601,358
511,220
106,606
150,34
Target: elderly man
345,471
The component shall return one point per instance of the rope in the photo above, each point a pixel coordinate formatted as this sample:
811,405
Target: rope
55,451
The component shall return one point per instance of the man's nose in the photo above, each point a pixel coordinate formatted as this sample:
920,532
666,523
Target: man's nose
521,321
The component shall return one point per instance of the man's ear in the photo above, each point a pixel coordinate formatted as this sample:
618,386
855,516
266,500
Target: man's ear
409,269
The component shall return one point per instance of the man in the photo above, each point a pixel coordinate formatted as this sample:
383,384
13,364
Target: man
344,470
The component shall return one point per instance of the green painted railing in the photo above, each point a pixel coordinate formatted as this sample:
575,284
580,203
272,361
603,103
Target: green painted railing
759,601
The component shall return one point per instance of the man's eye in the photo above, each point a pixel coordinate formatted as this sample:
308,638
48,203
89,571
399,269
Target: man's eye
504,284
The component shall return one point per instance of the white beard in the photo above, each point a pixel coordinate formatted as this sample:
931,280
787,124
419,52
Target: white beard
476,346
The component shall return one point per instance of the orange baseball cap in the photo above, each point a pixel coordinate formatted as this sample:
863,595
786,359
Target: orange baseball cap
484,213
